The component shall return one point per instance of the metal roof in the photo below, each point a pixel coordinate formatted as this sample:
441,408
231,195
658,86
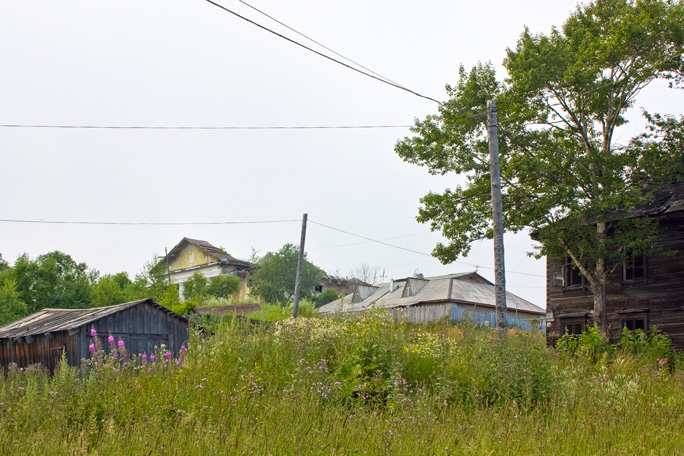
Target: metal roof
207,248
53,320
454,288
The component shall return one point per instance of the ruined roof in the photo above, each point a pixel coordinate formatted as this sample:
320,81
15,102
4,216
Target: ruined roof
53,320
209,249
240,309
464,288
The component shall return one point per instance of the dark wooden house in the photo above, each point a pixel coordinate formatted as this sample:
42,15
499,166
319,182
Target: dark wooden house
42,337
644,292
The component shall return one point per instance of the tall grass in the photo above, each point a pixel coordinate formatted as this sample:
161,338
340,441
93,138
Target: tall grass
361,385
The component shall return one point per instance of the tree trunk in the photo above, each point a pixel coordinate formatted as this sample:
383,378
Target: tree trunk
598,288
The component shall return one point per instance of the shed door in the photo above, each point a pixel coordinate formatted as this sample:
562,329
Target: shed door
145,343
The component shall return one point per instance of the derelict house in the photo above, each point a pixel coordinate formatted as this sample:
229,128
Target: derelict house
455,297
42,337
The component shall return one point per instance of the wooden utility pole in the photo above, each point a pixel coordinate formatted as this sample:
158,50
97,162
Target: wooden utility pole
168,269
300,265
497,215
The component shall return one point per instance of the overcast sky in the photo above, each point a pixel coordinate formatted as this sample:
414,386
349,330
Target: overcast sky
164,63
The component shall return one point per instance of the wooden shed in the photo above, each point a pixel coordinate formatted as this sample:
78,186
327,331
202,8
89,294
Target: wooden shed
42,337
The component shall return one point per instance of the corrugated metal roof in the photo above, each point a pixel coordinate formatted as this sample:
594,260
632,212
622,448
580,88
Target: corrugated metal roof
52,320
436,289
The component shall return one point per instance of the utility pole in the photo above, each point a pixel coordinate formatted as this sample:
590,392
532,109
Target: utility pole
300,264
497,215
168,270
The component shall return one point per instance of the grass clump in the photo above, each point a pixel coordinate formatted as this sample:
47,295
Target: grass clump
363,384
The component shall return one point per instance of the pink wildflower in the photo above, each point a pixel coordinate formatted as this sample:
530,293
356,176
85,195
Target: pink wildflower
168,354
91,348
111,339
183,348
179,362
121,343
93,332
151,358
144,357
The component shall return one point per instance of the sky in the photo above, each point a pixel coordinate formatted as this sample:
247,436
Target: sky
189,63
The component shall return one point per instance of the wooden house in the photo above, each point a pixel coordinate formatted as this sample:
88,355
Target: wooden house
41,338
644,292
421,299
190,256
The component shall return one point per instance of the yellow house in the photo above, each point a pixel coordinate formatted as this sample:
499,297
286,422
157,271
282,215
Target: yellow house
192,255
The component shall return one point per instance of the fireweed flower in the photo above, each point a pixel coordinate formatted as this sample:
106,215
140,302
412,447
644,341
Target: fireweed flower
111,339
91,348
93,332
144,357
183,348
151,358
121,343
179,362
168,354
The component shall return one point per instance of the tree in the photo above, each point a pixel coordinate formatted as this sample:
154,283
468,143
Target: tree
366,273
53,280
111,289
327,296
223,286
274,279
196,287
563,175
11,306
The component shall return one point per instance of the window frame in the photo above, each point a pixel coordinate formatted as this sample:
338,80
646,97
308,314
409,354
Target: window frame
643,268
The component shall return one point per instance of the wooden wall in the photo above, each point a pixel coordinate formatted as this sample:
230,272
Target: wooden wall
142,328
659,297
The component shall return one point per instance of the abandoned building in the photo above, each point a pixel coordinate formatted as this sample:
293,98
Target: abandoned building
41,338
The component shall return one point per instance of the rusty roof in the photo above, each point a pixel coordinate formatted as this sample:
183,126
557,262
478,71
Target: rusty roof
210,249
53,320
240,309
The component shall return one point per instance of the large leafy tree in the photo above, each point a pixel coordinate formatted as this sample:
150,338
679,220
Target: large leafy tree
563,174
274,279
53,280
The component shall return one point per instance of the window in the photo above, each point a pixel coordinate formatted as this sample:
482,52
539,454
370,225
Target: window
573,329
571,275
634,268
634,323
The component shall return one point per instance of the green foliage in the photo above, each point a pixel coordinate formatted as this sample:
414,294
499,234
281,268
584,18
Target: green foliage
53,280
224,286
196,287
11,306
591,344
561,173
111,289
653,345
365,384
274,279
327,296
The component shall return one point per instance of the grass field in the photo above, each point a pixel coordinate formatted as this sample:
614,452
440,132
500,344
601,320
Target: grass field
363,385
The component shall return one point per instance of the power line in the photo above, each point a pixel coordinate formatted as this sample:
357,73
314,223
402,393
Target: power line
323,55
82,222
182,127
416,251
318,43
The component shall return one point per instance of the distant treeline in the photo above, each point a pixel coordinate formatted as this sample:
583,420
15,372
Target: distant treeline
56,280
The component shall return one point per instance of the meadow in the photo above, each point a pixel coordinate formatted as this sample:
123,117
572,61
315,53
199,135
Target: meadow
360,385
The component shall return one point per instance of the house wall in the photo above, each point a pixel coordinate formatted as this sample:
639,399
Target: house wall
455,312
658,298
42,349
142,328
190,256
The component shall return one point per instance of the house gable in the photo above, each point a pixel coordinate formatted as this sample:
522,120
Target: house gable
191,255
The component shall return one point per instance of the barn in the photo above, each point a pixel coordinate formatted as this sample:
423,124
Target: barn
42,337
